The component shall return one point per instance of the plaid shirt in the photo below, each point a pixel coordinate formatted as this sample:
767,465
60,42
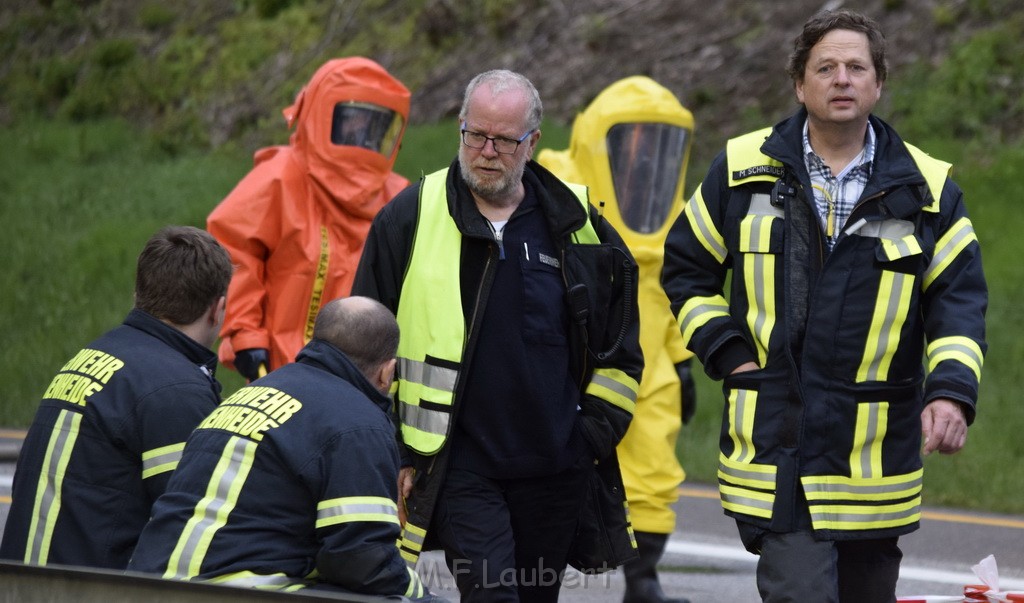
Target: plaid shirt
836,196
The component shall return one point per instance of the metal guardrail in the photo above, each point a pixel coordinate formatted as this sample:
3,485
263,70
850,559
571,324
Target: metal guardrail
49,584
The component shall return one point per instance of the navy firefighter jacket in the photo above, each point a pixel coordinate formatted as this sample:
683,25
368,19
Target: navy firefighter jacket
108,433
290,483
851,343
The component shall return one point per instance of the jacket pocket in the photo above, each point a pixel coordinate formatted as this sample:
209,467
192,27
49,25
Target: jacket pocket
544,313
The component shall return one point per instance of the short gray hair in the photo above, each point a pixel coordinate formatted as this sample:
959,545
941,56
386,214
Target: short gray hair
501,80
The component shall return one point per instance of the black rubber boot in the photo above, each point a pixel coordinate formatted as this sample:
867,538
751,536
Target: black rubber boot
642,574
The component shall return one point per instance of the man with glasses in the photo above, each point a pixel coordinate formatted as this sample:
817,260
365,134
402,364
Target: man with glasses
520,359
295,225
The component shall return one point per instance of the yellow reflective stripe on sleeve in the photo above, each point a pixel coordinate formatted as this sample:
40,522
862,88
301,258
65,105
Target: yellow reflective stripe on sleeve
213,510
750,475
956,239
411,543
614,387
703,227
161,460
891,310
869,432
415,589
319,284
865,517
356,508
51,483
748,502
247,579
742,403
839,487
697,311
959,349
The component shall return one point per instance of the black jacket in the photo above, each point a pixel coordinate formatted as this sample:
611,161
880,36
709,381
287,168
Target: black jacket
112,425
610,331
833,414
307,464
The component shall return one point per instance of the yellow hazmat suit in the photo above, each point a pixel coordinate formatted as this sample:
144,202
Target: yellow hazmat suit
631,146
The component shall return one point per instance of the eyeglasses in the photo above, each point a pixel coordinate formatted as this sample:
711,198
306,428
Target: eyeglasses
505,146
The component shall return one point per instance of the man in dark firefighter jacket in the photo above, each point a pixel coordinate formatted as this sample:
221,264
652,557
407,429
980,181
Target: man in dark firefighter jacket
112,423
852,258
291,482
520,358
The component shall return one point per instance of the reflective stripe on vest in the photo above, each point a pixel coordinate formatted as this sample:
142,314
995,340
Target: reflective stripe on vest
432,319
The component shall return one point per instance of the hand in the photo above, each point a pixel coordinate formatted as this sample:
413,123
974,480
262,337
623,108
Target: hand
405,475
943,427
688,390
248,363
745,367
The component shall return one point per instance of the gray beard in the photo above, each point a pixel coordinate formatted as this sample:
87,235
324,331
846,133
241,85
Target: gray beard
499,190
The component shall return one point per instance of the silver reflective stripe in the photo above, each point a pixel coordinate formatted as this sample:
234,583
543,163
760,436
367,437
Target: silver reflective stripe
893,229
746,501
709,236
423,419
161,460
951,246
277,581
894,315
959,348
761,205
615,386
839,490
735,473
212,511
435,377
870,441
758,265
744,451
414,538
51,482
350,510
833,516
902,247
699,311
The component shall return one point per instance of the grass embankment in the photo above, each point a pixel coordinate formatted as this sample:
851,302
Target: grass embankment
80,201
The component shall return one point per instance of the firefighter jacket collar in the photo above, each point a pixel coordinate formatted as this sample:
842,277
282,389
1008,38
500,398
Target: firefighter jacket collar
190,348
894,166
325,356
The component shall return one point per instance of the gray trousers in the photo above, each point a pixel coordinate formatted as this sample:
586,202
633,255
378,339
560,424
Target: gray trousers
795,567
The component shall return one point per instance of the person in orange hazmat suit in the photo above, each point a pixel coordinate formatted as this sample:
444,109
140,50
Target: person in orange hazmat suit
631,146
296,223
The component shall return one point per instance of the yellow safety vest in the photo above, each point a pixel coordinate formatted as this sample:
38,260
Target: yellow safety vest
432,319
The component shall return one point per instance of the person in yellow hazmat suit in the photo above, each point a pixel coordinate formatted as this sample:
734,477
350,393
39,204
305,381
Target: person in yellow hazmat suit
630,146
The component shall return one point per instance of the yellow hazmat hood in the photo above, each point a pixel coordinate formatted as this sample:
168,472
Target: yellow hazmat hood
614,141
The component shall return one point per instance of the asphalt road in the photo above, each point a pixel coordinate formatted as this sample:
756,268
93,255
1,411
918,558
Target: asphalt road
706,563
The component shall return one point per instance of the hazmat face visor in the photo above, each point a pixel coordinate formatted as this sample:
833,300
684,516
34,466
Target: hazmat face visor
646,162
367,126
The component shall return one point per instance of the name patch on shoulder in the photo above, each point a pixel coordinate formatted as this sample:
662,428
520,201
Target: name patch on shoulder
759,170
